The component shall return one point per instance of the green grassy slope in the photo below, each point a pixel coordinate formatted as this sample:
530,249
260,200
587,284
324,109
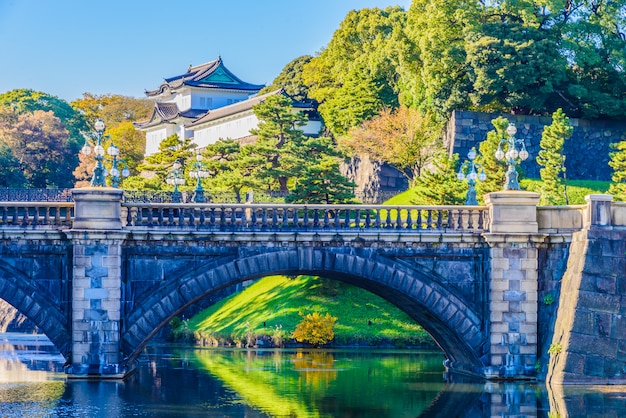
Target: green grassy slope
277,302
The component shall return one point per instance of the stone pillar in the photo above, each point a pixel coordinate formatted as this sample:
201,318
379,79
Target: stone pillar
598,212
96,284
513,285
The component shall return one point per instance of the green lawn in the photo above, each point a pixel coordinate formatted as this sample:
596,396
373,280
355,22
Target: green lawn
278,303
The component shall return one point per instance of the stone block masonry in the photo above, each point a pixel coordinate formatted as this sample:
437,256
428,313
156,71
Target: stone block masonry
588,340
96,304
513,284
588,345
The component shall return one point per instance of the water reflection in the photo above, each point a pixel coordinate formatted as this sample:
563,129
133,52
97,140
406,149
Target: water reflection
180,382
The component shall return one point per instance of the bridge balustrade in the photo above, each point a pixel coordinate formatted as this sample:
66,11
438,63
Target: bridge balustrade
291,216
23,214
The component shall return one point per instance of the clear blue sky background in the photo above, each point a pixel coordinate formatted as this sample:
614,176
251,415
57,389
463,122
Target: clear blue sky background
69,47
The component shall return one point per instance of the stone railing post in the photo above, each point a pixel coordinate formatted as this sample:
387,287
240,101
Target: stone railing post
97,238
513,283
598,212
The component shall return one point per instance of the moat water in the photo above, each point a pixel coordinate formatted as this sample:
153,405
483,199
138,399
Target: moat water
175,381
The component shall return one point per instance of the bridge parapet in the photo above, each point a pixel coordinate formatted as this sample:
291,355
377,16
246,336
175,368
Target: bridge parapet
37,214
308,217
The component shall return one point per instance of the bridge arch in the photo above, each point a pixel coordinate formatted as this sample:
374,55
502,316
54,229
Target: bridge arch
37,305
454,325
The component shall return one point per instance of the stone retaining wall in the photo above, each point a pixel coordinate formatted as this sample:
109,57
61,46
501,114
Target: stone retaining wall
590,138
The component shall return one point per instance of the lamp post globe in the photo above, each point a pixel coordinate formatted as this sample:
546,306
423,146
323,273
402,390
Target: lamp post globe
100,172
199,171
515,153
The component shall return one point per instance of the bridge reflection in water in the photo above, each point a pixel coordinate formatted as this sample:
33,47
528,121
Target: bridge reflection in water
174,381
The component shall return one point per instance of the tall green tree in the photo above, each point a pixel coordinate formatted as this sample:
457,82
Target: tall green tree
290,79
594,39
434,74
278,125
551,158
355,75
231,167
513,65
314,163
156,168
523,57
494,169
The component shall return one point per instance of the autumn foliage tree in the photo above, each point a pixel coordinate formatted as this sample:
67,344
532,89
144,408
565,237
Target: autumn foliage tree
118,114
38,145
404,138
315,329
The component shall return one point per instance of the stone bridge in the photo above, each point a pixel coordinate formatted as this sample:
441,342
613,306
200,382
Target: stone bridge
100,277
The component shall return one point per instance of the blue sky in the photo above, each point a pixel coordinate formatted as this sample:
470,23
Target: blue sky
68,47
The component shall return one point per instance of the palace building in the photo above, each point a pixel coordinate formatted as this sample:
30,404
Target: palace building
206,103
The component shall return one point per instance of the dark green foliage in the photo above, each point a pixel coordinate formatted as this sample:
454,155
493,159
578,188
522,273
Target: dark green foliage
290,80
231,167
355,76
314,165
278,125
159,165
10,175
494,169
441,186
552,160
520,57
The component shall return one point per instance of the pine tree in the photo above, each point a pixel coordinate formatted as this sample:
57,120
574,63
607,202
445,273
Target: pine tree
171,149
441,185
278,125
494,169
618,164
231,167
314,163
552,160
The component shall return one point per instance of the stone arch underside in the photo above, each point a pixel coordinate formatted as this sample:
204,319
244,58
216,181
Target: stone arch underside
37,305
453,324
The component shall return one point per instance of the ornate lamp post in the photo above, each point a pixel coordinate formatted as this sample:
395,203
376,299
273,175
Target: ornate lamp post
176,177
100,172
472,175
198,172
114,151
513,153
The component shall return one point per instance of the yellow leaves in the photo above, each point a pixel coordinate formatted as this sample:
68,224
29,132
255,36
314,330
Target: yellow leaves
315,329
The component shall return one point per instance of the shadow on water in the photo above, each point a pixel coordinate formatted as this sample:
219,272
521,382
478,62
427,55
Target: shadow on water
189,382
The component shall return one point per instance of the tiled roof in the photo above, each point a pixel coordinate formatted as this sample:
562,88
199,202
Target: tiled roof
242,106
213,74
167,112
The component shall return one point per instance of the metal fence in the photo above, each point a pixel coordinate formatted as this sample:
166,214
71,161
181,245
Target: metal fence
159,196
35,195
